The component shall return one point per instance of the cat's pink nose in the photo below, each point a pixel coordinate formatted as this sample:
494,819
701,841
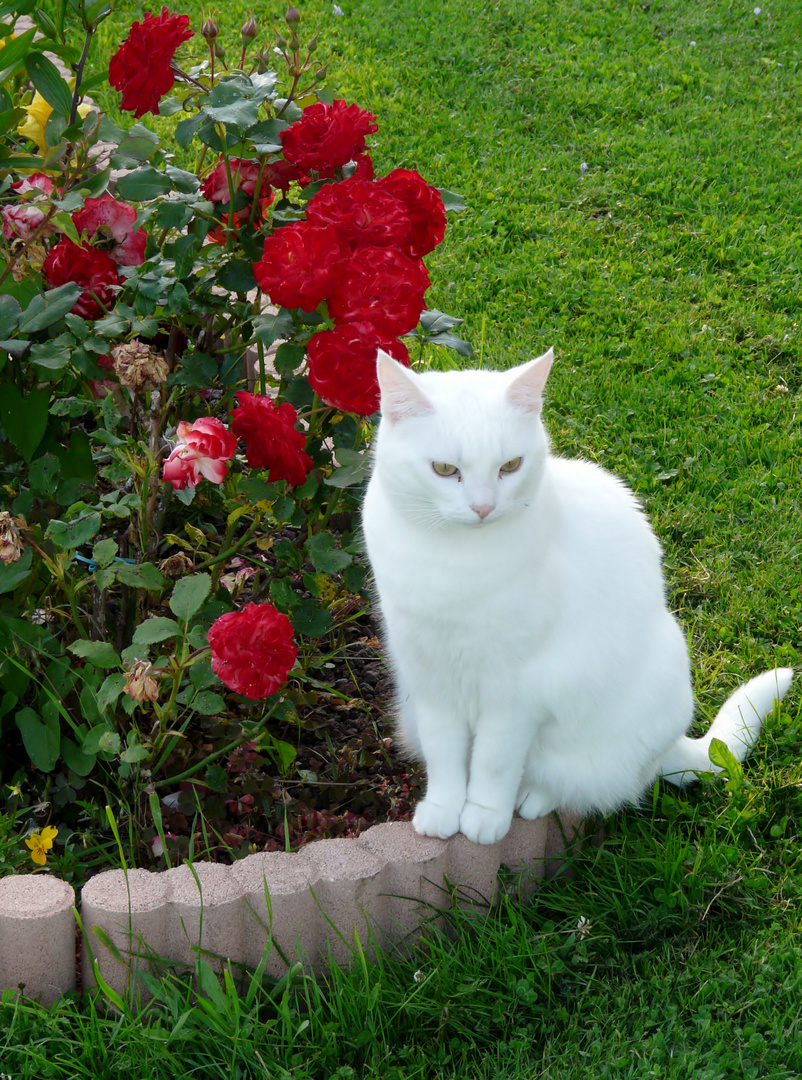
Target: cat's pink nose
482,509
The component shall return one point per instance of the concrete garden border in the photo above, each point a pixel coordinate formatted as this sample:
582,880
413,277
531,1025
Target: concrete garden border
311,904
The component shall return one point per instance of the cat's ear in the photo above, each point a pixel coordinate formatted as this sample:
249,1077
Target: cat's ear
526,388
401,395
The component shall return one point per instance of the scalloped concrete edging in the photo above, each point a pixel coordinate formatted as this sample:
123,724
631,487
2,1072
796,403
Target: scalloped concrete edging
309,904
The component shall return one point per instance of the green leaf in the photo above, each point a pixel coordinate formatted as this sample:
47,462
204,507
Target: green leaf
43,474
100,653
237,276
24,417
723,758
325,556
135,753
48,80
154,630
186,130
101,739
189,594
14,52
9,315
11,574
80,763
452,201
104,552
48,308
110,689
143,184
42,740
173,215
354,468
289,357
435,322
143,576
451,341
71,534
207,703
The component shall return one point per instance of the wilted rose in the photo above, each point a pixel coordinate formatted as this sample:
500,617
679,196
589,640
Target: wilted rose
141,682
136,363
11,547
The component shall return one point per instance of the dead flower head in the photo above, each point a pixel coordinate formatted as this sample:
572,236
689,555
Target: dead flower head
176,565
136,363
141,684
10,543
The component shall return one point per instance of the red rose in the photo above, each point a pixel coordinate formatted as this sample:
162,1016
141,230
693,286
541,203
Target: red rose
244,174
140,68
252,650
298,265
327,136
381,286
203,449
280,174
115,221
362,214
362,170
88,267
342,366
271,439
424,206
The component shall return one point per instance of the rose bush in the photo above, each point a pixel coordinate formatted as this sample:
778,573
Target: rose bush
187,365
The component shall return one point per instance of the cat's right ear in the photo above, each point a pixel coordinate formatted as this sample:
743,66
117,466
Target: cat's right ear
401,396
529,380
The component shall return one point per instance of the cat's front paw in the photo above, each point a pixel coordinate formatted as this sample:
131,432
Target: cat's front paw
534,804
432,819
483,825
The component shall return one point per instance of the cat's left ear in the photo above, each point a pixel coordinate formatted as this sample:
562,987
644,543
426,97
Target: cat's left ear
401,395
526,388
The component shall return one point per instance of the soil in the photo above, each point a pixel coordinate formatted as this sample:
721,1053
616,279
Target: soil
347,774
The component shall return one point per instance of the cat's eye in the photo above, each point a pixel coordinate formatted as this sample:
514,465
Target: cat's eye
442,468
511,466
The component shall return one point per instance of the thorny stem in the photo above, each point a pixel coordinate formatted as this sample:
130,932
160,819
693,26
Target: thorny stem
234,548
228,749
79,71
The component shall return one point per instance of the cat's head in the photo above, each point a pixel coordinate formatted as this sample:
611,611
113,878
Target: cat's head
461,447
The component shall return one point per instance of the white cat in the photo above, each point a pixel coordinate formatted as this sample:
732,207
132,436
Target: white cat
536,662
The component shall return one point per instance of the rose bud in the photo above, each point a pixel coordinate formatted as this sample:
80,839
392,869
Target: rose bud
249,30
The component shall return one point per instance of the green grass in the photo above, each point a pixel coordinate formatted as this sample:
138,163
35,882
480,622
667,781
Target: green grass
667,276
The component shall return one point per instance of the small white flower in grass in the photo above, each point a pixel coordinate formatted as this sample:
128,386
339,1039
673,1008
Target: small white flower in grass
583,926
757,11
583,168
418,977
338,10
692,44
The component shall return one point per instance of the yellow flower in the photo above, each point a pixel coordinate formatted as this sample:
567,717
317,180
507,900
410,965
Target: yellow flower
40,843
39,112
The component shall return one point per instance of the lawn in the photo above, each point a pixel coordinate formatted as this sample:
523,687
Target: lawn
631,175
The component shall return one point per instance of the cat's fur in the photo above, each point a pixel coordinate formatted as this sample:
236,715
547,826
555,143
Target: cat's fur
536,662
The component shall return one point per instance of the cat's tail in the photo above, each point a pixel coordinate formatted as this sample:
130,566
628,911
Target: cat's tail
737,725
